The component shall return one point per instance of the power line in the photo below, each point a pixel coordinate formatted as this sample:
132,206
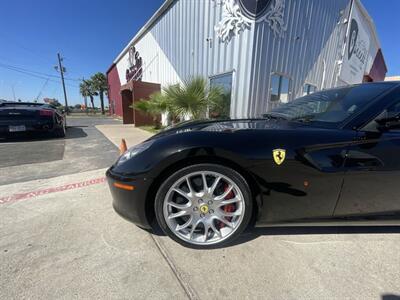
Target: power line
36,72
35,75
41,90
20,45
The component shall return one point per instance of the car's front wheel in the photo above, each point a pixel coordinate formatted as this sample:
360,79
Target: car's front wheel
204,205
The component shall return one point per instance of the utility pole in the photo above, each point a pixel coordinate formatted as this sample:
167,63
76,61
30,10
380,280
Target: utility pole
13,90
62,70
85,98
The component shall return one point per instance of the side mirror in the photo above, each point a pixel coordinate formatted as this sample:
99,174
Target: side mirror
388,123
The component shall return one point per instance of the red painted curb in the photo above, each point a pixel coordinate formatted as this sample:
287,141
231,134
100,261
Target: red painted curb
71,186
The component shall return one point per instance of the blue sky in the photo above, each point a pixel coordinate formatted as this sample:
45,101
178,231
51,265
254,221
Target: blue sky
90,34
385,14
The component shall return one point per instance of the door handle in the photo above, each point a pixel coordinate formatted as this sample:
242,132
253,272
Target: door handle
360,138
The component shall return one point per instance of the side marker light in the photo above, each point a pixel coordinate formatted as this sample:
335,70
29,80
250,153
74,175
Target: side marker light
124,186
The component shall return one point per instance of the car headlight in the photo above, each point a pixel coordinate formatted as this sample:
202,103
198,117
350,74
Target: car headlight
133,151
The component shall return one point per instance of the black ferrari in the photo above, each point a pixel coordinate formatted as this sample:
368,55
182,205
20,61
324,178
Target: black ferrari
27,117
329,158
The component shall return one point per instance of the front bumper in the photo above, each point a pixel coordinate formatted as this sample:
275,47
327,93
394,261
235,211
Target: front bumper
131,205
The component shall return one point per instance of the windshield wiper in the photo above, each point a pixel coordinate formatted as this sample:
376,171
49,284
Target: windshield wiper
276,116
304,119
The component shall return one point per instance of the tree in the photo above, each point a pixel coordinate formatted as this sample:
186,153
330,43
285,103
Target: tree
192,98
87,89
156,105
100,84
52,101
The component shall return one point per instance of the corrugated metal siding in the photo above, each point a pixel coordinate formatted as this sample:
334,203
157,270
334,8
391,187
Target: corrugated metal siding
176,48
181,46
314,35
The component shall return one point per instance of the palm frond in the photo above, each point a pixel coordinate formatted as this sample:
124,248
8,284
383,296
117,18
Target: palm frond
189,98
99,81
193,97
87,88
143,106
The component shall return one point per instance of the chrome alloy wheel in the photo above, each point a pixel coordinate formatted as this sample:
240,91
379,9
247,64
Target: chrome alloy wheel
204,208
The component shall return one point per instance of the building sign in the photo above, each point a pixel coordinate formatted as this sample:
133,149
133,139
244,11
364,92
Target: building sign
239,15
356,56
135,69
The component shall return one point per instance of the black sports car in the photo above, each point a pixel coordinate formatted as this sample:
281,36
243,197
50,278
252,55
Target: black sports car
23,117
329,158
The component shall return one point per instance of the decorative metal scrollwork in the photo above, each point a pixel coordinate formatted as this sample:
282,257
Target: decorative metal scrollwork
235,21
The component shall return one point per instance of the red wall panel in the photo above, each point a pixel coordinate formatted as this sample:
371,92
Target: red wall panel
114,91
379,69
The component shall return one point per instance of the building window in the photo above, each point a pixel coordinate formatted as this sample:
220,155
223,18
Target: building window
280,88
309,89
222,109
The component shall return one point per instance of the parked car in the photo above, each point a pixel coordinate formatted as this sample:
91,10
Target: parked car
329,158
17,117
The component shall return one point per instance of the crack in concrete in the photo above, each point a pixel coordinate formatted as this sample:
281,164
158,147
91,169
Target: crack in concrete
188,289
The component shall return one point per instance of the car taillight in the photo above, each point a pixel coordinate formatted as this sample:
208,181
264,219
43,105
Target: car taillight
46,113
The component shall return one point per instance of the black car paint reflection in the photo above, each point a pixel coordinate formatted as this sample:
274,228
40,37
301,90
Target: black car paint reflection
341,171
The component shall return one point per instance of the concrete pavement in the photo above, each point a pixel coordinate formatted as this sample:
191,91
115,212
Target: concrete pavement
132,135
71,244
293,263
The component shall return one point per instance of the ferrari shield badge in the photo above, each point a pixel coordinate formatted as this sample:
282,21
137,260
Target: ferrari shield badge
279,156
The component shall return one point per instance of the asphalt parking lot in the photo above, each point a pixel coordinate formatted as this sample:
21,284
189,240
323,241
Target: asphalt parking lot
83,149
60,238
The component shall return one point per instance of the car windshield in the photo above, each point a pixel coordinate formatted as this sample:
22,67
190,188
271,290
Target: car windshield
330,106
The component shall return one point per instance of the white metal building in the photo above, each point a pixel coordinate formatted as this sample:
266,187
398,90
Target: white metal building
264,52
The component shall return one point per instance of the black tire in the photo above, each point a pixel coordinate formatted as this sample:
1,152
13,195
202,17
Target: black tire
60,132
228,172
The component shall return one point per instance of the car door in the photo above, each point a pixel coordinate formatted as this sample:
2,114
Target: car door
372,182
306,186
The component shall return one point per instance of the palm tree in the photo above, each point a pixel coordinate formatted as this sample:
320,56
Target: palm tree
156,105
193,98
87,89
101,86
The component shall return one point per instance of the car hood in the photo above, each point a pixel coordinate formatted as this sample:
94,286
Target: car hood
226,126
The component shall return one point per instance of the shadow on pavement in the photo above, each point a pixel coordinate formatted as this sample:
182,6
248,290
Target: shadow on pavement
72,133
253,233
76,132
390,297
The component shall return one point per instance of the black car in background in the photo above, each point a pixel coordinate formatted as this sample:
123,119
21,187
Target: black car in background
329,158
26,117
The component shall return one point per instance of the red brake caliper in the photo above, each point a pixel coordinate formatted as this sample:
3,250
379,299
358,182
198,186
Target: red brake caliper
228,207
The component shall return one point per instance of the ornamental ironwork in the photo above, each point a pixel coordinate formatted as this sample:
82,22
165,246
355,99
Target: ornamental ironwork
239,15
